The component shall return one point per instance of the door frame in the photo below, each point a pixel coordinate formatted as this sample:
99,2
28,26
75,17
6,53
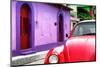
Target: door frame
60,13
32,49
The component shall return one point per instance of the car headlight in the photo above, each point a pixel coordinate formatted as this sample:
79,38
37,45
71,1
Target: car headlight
53,59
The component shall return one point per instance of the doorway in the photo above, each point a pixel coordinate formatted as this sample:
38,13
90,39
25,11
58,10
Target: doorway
60,29
25,27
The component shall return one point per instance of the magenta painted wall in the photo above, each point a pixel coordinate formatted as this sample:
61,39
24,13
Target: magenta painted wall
45,17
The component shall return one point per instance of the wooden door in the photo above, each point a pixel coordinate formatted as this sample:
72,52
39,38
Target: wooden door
24,27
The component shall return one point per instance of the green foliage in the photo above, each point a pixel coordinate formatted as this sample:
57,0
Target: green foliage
84,16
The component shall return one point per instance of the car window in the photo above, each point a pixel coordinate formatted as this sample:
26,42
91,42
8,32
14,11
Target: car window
85,28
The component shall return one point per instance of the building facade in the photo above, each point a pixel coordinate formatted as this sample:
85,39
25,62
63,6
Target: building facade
38,26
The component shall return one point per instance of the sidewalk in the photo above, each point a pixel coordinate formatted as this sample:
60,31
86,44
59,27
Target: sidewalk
36,58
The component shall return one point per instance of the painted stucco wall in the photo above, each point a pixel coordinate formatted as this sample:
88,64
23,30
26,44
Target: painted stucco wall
66,23
45,30
13,25
45,17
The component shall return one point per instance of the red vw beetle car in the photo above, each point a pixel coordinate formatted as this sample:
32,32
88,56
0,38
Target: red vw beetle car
79,47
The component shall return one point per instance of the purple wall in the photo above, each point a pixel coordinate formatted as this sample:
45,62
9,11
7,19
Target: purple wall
14,25
45,30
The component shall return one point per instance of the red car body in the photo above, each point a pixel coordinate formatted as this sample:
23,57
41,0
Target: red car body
76,49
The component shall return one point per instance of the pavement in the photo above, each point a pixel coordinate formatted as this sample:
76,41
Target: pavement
40,61
36,58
